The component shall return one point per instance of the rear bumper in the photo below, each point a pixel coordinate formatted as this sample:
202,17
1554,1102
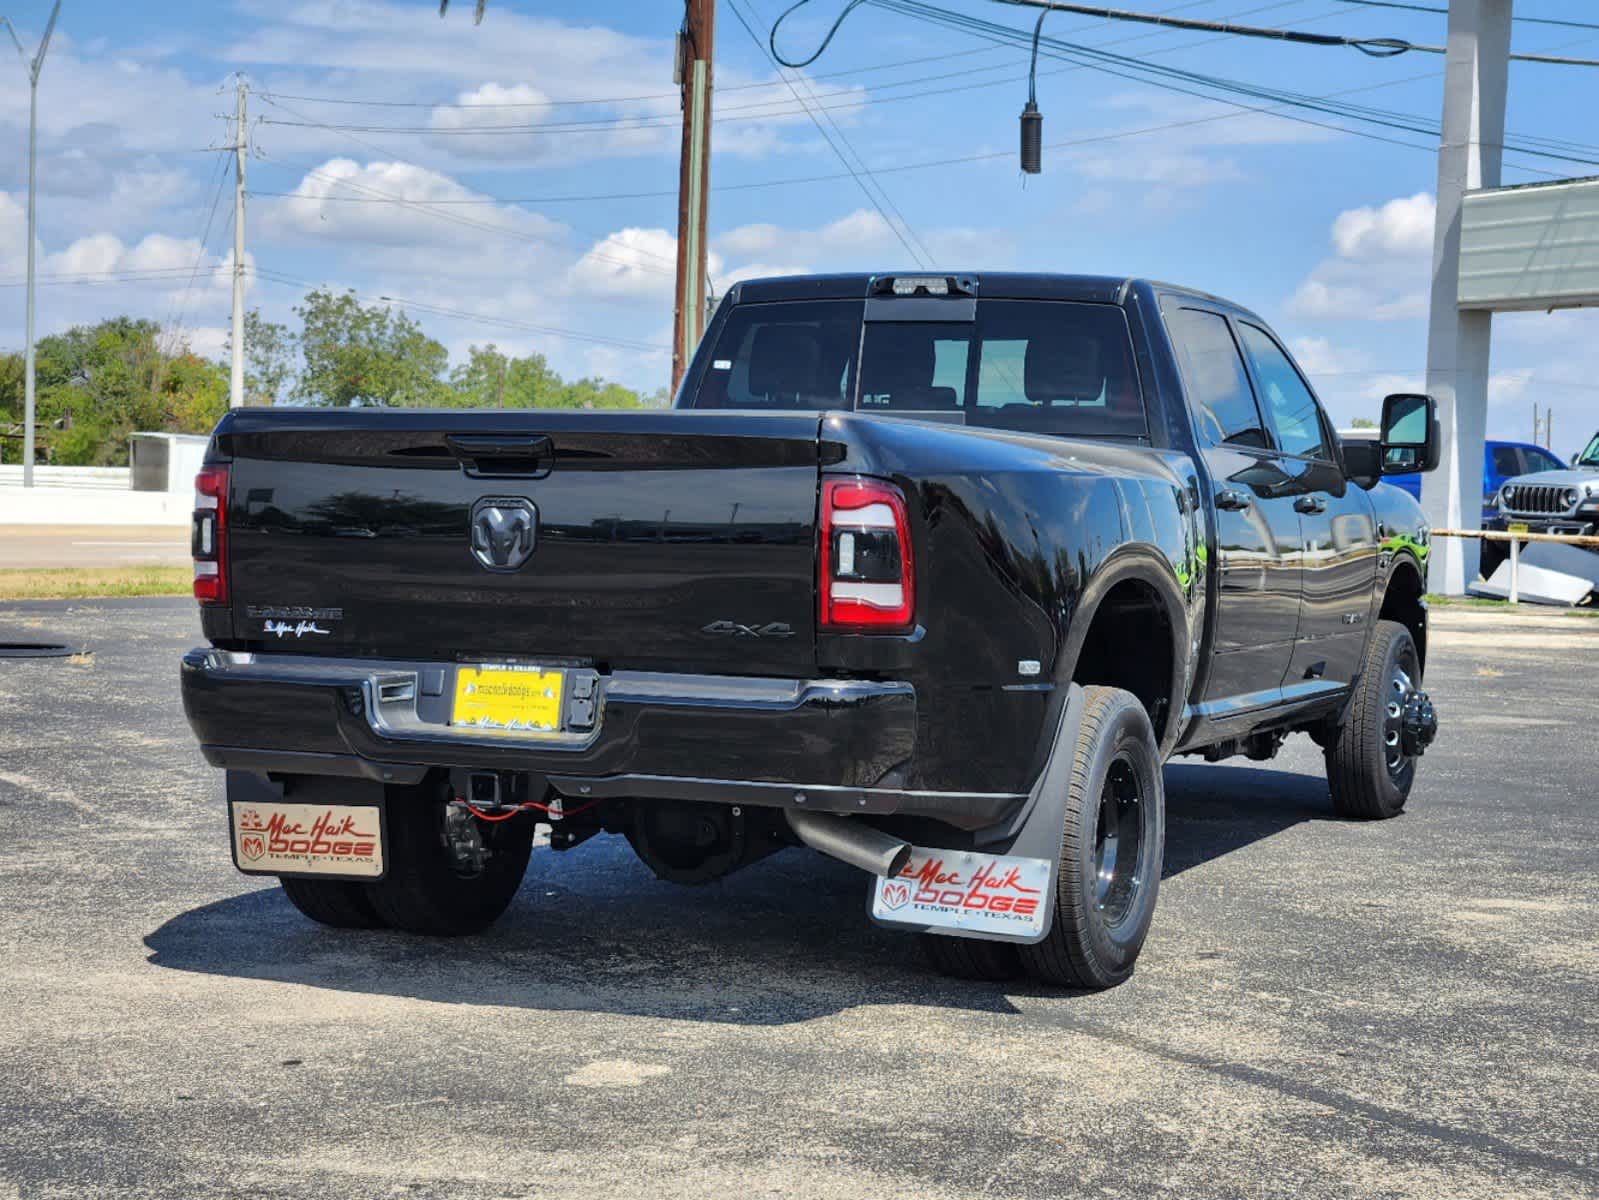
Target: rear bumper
829,745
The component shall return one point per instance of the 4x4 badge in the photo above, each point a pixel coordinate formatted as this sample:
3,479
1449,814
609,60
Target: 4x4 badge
505,532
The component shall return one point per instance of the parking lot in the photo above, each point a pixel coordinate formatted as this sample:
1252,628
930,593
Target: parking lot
1323,1009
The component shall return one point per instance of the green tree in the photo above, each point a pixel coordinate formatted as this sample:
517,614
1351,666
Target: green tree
1362,423
360,354
269,350
11,405
489,379
99,383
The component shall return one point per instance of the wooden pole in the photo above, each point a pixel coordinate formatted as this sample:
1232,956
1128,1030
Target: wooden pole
695,47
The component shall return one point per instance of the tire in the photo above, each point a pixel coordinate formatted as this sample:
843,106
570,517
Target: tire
424,891
971,958
332,902
1364,786
1099,923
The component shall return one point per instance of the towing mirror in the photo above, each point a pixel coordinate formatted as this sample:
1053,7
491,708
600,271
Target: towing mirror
1410,436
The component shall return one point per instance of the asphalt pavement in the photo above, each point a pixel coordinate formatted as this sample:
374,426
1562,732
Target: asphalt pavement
1324,1009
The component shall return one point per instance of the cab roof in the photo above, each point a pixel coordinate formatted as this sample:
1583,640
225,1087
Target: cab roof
990,285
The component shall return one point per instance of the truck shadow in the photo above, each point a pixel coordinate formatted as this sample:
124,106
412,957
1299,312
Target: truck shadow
786,940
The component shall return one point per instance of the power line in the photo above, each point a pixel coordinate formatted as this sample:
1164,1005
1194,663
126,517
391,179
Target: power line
918,252
1428,8
279,277
1004,34
1236,112
181,306
779,82
148,275
770,108
1174,78
1384,47
422,206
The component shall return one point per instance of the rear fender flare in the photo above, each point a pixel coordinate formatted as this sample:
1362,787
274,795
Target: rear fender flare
1146,565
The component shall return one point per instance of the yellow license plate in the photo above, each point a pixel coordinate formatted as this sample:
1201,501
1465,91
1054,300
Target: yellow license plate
1516,527
518,699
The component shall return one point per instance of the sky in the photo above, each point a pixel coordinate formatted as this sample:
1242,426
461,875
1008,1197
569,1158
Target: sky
381,161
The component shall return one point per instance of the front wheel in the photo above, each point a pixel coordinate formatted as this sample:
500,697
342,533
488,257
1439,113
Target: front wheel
1371,757
1112,850
448,873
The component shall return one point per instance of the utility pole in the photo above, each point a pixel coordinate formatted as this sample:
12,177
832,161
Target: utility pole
241,145
694,51
33,67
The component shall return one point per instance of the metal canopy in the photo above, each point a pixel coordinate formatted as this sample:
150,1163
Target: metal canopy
1530,247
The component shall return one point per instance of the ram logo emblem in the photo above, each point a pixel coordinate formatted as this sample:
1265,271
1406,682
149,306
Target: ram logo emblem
505,532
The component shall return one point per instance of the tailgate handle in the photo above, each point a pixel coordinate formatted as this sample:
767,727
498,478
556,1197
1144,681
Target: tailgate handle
503,455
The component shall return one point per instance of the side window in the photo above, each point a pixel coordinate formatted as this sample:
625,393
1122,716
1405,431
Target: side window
1506,462
1287,397
1541,460
1218,387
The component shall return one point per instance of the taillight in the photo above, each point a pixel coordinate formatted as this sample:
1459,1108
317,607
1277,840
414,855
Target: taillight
866,581
209,541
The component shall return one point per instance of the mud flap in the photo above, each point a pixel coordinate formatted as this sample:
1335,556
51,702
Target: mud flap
310,826
1001,886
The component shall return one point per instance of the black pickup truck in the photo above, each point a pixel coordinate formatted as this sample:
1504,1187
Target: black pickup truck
929,573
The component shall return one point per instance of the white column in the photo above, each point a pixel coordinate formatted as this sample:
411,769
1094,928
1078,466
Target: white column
1457,342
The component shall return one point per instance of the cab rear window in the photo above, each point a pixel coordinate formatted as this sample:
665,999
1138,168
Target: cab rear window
797,355
1040,366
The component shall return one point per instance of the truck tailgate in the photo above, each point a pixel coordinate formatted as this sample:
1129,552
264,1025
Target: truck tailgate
665,540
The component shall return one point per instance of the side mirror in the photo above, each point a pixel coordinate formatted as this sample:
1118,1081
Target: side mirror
1410,436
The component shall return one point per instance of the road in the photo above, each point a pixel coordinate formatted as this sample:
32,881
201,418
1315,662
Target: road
43,546
1324,1009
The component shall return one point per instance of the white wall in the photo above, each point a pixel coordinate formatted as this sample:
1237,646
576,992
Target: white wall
116,478
53,504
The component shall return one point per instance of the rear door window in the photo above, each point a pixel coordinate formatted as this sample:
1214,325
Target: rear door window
1218,385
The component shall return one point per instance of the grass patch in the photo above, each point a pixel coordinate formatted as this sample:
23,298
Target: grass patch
1465,601
82,583
1489,602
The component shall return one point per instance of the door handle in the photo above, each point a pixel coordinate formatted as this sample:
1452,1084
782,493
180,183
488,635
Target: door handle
503,455
1231,500
1310,504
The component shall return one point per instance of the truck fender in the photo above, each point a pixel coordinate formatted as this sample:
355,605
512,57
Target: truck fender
1144,565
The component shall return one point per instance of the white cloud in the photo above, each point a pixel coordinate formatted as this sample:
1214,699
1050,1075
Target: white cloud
862,236
388,203
13,235
551,66
1163,168
1318,356
632,263
1402,227
1380,265
207,341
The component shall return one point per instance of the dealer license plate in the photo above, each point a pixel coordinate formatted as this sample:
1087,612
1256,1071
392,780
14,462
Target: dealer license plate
513,698
972,892
307,839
